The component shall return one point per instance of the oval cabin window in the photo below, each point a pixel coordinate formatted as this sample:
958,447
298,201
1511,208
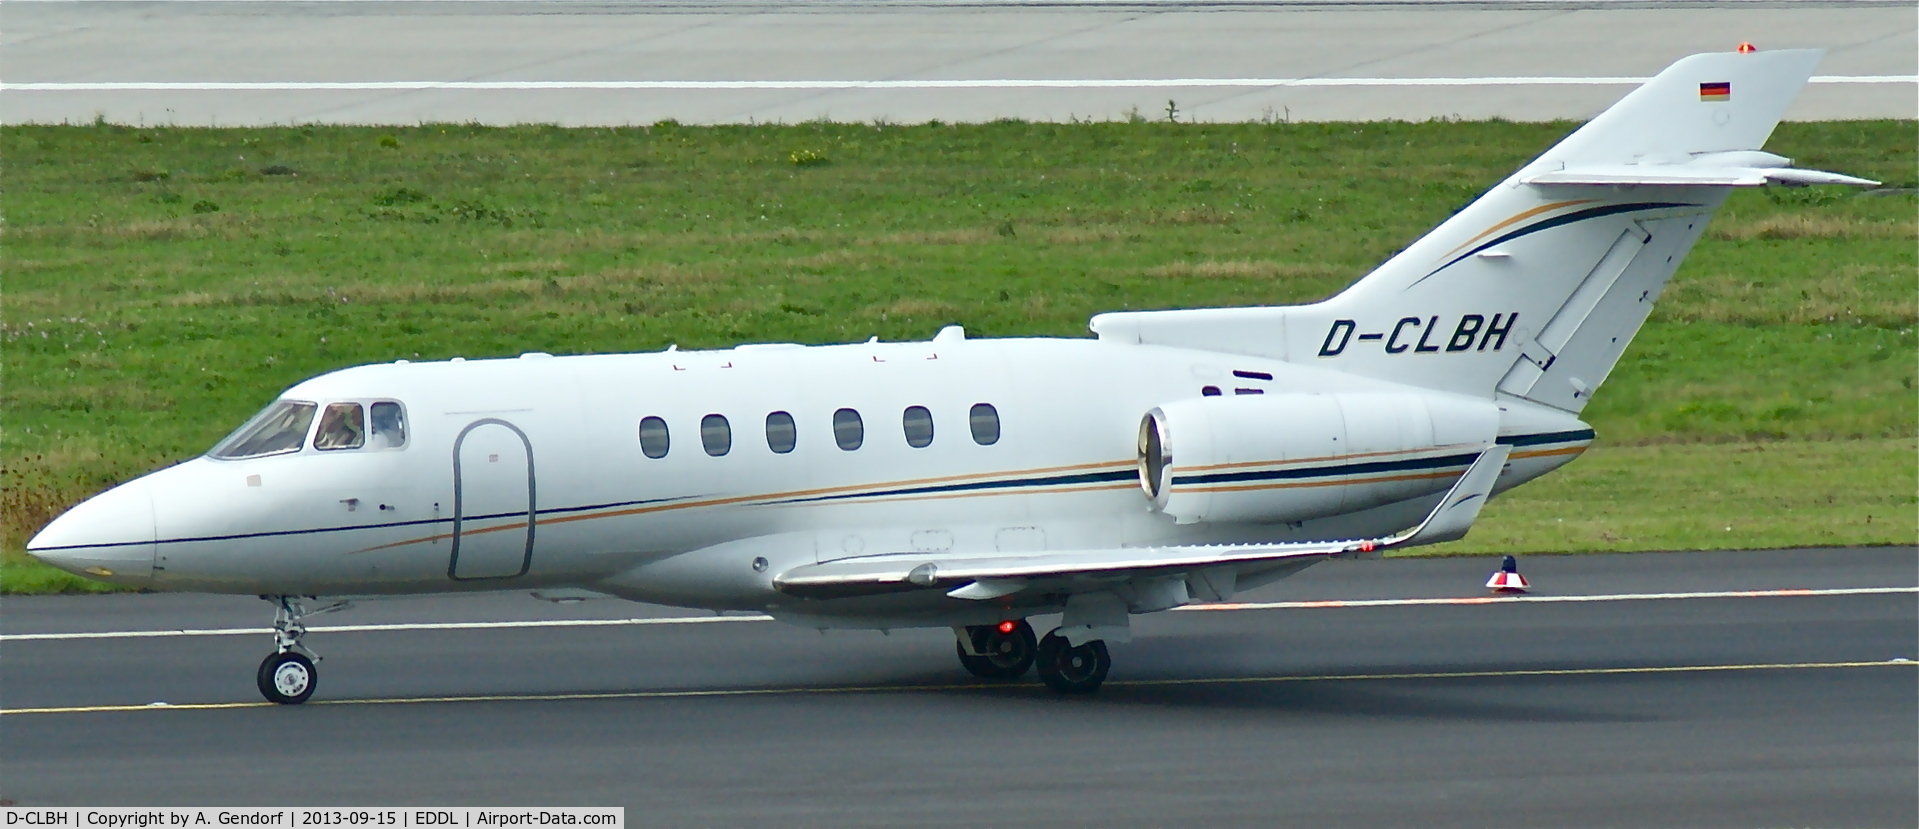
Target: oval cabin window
781,436
984,419
918,423
716,435
653,438
848,430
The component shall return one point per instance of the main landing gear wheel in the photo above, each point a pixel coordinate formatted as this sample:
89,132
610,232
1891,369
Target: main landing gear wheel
1071,670
287,678
1000,655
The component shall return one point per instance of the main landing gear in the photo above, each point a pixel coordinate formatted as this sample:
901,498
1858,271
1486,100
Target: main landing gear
1073,670
1002,651
287,675
1007,650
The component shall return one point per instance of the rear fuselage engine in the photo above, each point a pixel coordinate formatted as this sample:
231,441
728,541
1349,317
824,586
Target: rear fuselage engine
1291,457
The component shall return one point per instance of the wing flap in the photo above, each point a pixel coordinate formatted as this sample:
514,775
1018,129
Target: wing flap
994,575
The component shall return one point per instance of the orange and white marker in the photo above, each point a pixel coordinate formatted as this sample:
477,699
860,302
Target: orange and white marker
1508,580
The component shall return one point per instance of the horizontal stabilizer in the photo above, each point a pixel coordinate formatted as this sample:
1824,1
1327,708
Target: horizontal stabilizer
1683,175
991,576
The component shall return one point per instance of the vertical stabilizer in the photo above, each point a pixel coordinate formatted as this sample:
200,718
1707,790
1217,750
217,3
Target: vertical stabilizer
1535,289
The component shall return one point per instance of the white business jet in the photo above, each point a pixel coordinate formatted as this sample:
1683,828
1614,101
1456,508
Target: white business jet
1181,456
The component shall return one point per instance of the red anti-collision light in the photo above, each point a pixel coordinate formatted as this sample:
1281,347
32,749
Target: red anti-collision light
1007,627
1746,47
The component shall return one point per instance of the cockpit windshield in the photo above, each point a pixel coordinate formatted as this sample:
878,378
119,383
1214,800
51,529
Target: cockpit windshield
281,428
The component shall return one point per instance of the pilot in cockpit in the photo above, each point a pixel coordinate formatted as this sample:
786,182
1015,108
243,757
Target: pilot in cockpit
342,426
389,426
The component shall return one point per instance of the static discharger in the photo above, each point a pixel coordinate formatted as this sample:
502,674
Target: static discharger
1506,580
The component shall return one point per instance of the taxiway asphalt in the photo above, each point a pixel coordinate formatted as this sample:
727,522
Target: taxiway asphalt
283,61
1774,709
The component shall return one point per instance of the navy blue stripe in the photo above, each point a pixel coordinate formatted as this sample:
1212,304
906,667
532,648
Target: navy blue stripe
1367,468
1056,480
389,525
1558,221
1547,437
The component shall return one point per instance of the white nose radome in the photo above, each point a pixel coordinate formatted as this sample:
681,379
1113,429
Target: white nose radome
109,537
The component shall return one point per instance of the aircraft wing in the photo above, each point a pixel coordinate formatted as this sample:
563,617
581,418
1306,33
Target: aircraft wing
992,575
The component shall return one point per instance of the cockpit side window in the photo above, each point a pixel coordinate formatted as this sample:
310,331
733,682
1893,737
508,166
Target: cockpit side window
278,429
389,425
342,426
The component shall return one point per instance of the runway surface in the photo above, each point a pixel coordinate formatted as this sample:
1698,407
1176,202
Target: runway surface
1772,708
595,63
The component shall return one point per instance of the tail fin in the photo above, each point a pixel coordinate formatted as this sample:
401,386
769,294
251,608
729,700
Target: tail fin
1535,289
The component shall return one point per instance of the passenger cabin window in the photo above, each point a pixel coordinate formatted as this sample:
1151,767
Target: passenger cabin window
389,425
781,436
654,440
716,435
277,429
985,422
342,426
848,430
918,423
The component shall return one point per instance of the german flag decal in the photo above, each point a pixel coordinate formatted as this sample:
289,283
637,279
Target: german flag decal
1720,91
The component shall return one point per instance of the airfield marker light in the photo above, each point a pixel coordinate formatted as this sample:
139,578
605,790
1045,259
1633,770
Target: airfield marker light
1746,47
1007,626
1507,580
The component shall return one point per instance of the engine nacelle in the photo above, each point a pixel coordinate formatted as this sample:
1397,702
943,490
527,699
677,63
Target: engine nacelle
1290,457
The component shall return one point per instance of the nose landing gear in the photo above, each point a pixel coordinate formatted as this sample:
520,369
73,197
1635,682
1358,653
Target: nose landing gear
287,675
287,678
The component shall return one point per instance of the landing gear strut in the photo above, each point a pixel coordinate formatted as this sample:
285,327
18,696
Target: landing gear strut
1002,651
287,675
1072,670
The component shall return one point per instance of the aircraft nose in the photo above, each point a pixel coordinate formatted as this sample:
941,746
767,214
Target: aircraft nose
109,537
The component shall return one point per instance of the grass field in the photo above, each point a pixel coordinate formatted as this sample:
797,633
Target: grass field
162,284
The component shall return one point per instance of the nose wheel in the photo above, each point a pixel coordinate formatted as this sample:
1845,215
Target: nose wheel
1072,670
287,678
287,675
1002,651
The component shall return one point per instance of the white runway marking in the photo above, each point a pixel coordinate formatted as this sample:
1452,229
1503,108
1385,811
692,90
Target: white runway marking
1613,597
697,620
1084,83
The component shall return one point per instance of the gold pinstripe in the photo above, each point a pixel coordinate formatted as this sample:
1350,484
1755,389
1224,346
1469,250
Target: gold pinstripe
1103,466
1245,464
1537,453
1306,484
775,496
1522,216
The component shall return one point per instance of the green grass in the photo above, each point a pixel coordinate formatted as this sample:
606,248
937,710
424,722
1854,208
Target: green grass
163,284
1709,496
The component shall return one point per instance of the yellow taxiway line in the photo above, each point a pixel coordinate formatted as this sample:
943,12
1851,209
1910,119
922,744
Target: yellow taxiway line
883,689
1203,608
